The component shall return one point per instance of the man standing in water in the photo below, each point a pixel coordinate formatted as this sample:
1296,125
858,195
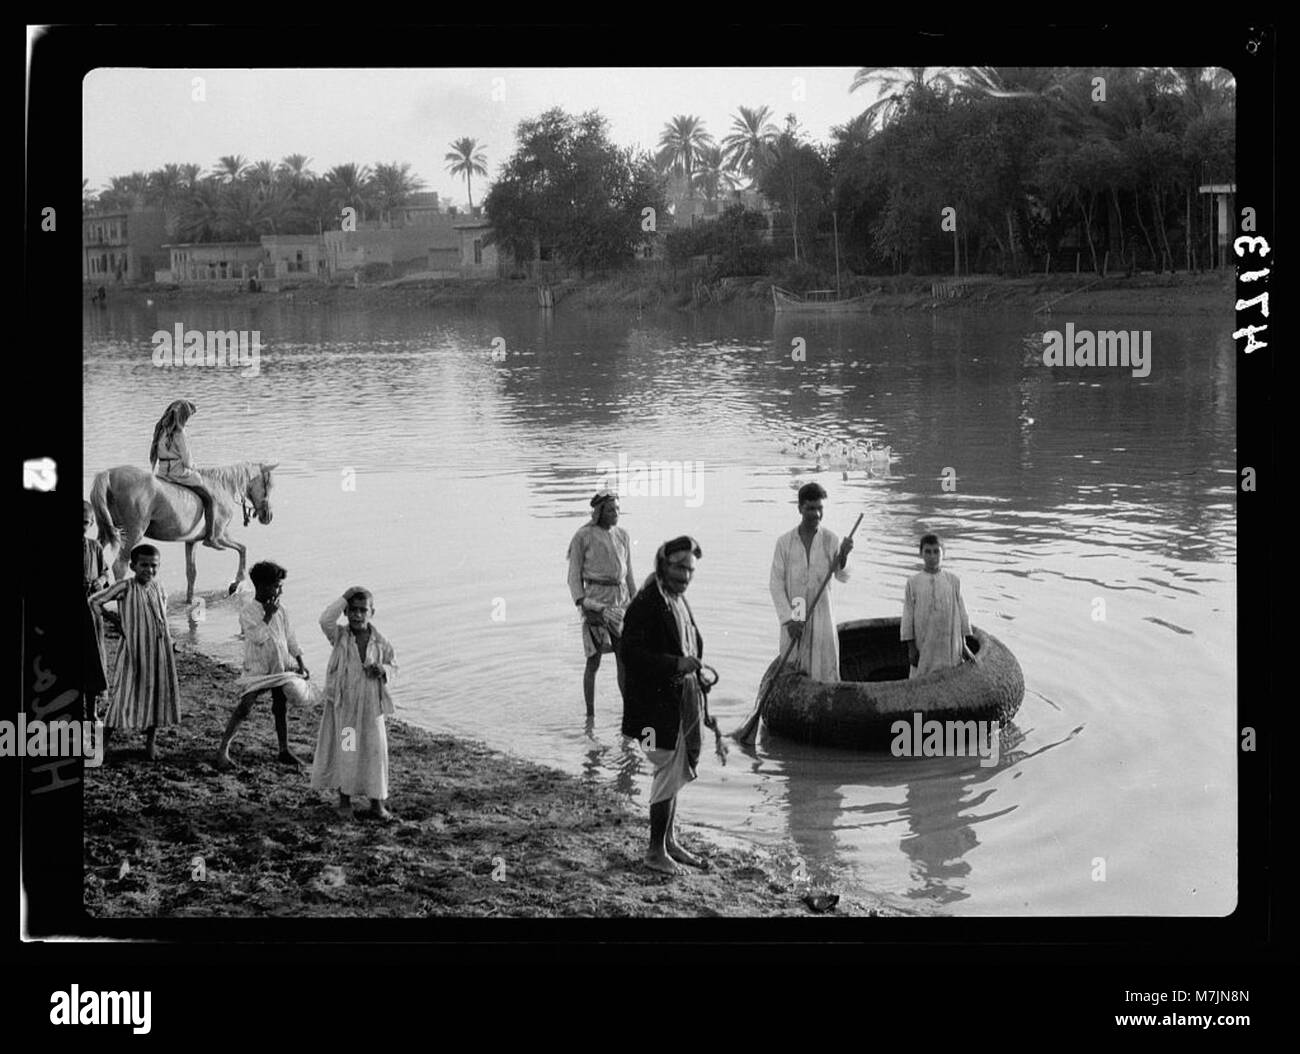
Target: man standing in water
601,584
662,705
803,559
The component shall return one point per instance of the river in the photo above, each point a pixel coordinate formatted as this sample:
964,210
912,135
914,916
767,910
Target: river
1088,512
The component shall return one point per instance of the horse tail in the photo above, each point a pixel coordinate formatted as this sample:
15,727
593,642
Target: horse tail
109,532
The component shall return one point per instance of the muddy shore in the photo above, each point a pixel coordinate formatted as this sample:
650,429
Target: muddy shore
476,833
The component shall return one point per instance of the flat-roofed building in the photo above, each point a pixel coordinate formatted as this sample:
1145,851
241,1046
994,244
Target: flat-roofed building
123,246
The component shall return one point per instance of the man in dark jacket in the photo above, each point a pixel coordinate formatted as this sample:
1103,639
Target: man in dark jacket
662,648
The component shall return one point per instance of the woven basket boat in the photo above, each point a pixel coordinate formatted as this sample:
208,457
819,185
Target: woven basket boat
858,711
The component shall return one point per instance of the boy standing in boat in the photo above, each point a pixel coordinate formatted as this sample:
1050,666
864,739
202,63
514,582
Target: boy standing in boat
935,626
803,559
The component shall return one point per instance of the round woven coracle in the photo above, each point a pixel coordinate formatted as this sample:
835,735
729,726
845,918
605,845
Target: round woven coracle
860,710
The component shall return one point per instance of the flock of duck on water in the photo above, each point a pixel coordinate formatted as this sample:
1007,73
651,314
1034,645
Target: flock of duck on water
839,454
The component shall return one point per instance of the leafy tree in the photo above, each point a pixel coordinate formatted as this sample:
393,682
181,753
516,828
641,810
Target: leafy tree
734,242
797,181
568,193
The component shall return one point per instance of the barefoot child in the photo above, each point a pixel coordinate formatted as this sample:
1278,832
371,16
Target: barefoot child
935,626
145,692
269,648
352,746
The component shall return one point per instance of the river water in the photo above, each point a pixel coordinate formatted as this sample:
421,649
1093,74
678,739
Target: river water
1089,514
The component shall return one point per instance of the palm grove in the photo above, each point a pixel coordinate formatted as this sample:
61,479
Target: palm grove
1107,161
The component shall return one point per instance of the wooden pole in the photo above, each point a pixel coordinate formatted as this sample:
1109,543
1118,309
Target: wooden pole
745,733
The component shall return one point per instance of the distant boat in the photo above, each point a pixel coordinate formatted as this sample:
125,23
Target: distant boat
819,301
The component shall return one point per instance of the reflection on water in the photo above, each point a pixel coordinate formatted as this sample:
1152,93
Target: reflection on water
1089,514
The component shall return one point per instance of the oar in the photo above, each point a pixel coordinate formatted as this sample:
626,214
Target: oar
745,734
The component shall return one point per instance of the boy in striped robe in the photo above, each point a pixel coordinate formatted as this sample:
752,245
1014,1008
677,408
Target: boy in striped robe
145,692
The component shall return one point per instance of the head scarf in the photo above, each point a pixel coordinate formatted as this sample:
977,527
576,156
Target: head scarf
676,545
598,500
173,418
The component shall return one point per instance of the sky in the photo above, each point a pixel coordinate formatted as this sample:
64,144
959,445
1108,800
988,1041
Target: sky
141,119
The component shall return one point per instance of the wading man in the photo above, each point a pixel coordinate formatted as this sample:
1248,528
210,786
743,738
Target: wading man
803,559
662,704
601,584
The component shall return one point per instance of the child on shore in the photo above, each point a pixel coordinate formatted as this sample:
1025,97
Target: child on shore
352,745
935,626
269,648
94,574
145,691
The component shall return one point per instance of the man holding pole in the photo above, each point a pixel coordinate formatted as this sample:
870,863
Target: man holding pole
802,565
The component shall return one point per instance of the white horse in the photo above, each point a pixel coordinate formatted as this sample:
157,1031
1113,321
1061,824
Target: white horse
132,503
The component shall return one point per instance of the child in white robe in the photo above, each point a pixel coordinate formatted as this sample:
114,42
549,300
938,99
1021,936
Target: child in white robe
270,648
352,745
935,626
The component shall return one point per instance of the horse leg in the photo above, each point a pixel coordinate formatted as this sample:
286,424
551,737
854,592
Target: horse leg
230,543
120,560
130,539
191,573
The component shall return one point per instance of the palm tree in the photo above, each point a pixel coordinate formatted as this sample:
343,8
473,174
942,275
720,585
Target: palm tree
243,212
466,160
261,175
230,168
711,173
198,220
191,176
294,168
166,187
680,144
88,197
393,186
748,147
349,187
901,83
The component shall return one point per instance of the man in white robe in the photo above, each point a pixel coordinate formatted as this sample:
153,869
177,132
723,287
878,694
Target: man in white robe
803,559
934,626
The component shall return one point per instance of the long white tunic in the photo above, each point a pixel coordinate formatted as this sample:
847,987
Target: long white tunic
934,615
797,573
352,743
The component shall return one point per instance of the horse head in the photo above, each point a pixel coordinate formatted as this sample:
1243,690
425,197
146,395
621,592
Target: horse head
259,492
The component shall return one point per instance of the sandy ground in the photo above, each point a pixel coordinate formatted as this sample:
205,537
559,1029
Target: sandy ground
476,833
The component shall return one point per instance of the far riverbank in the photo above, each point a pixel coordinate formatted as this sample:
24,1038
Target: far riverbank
1168,294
